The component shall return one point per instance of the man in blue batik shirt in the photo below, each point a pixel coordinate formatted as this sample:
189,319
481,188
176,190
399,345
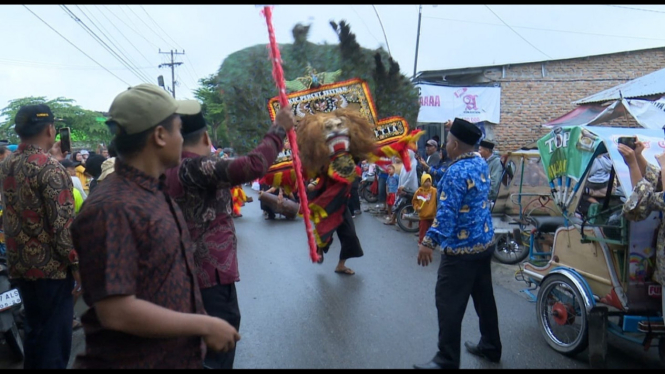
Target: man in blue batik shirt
463,231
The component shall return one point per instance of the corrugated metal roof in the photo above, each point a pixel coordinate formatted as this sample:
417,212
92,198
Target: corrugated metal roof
648,85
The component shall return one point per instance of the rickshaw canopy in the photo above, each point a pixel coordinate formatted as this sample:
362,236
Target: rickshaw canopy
568,152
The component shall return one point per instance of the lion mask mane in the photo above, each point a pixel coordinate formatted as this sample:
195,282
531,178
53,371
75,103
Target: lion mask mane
313,130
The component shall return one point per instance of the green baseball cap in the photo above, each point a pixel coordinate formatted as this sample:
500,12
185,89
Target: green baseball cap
144,106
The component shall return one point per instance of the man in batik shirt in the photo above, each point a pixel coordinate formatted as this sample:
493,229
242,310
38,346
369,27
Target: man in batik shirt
201,185
647,197
462,231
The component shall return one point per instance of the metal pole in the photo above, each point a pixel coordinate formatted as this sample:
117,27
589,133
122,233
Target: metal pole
415,64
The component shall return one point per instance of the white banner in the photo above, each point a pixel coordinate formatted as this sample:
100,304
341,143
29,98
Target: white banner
474,104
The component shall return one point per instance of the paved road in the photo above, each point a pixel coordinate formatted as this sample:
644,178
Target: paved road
296,314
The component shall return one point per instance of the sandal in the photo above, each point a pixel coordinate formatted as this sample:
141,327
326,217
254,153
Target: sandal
319,251
346,271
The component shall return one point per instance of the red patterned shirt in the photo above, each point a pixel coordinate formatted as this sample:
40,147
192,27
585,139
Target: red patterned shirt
133,240
202,188
38,210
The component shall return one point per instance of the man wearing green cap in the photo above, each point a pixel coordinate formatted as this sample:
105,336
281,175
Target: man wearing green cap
137,263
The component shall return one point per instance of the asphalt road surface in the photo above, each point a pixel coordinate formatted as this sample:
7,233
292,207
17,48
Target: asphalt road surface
299,315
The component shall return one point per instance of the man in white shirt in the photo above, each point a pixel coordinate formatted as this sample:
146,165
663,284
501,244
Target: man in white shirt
408,180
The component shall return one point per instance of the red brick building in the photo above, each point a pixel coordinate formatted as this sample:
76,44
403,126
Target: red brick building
534,93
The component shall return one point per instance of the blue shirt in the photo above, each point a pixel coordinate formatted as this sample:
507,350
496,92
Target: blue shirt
463,223
437,172
392,183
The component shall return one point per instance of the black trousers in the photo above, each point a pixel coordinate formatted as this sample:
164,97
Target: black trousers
49,307
348,239
457,280
221,301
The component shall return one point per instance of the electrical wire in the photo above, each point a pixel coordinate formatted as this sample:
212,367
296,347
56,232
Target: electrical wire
119,49
98,39
187,66
518,34
542,29
126,38
74,45
149,28
382,29
129,27
37,64
364,23
631,8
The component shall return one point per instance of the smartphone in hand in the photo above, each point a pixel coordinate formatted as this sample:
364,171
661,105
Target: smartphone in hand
628,141
65,140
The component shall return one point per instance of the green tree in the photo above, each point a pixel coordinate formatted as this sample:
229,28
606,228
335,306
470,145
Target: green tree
213,110
86,130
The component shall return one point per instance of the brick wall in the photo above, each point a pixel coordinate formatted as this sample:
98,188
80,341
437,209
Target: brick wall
528,99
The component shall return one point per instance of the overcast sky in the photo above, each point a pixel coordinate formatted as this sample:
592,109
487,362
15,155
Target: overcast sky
36,61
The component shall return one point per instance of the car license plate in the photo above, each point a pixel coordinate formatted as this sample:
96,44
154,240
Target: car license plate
9,299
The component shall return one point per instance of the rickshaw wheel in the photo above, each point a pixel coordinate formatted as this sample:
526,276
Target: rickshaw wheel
562,315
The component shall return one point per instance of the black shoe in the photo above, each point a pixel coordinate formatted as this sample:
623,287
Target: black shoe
474,350
429,365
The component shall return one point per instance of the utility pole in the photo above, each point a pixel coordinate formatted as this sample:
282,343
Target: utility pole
172,65
415,63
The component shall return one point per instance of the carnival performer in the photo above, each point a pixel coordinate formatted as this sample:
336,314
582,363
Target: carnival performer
332,144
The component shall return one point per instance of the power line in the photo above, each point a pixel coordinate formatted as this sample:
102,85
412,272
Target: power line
187,68
126,38
518,34
631,8
382,29
129,27
542,29
364,23
98,39
141,19
120,50
74,45
37,64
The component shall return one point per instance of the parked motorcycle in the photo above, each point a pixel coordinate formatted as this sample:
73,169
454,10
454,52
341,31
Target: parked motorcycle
10,306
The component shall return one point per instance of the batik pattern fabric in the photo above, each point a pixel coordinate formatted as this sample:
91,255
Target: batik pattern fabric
38,210
647,197
463,223
202,188
133,240
437,172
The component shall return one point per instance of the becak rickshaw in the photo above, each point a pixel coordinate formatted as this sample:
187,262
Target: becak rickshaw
524,192
598,274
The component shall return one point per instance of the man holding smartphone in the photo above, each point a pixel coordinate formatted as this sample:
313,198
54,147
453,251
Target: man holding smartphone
39,208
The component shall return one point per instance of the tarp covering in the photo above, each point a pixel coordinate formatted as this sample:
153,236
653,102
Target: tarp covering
648,114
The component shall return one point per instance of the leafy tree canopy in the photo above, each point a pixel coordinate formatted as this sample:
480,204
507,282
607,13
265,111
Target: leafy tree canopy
86,128
213,110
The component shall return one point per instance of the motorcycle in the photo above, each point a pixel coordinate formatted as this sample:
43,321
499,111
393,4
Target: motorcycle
10,305
406,216
365,189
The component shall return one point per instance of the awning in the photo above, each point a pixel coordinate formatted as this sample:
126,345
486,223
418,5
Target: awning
648,114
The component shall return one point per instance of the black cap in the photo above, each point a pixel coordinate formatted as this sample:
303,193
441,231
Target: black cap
67,163
465,131
192,123
486,144
31,114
